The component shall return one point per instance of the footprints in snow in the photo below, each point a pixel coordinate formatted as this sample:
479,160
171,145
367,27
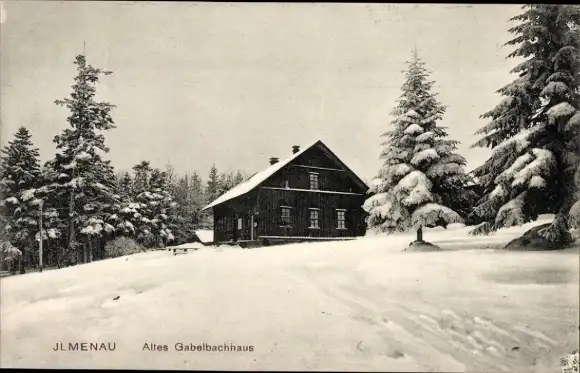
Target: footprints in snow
474,341
481,336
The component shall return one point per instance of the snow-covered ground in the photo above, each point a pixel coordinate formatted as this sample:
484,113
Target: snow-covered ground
360,305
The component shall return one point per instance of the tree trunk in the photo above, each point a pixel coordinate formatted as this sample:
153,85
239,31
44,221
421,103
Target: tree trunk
50,255
21,261
14,262
58,253
98,248
558,231
420,234
90,250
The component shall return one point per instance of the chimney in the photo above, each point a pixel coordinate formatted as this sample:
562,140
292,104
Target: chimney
273,160
295,149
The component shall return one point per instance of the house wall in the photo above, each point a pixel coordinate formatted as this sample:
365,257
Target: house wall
269,217
229,213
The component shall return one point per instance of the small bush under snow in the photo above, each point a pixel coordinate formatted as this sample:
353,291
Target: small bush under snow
122,246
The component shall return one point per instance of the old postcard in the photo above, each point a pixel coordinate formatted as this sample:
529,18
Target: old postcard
289,186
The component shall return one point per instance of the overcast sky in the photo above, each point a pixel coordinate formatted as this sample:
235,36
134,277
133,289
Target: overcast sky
235,84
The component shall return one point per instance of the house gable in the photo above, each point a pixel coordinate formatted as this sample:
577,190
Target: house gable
331,173
317,158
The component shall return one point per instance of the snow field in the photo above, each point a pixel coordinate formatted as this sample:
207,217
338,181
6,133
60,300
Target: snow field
352,305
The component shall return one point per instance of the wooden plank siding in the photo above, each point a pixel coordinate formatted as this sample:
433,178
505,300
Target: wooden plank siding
230,212
271,200
297,173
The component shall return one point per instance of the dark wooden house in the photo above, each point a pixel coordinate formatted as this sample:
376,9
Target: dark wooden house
312,195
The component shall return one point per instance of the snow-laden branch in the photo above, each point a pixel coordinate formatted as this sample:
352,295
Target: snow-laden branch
511,213
562,109
432,214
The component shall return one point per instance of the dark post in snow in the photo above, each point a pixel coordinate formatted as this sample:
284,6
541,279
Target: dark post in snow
40,237
71,237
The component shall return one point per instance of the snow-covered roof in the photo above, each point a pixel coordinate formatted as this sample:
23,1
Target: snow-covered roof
204,235
256,179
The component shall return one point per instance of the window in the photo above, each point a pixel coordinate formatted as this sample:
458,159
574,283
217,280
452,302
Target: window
240,225
286,184
285,215
314,215
340,219
221,224
313,180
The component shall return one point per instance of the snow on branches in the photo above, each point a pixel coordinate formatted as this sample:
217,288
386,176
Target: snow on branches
534,131
432,214
19,175
420,167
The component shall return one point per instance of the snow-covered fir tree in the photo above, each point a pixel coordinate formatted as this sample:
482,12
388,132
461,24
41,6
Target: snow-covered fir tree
160,206
196,193
197,201
153,205
52,225
227,181
179,222
19,176
212,187
174,221
141,176
99,203
125,185
124,219
185,219
421,182
86,180
137,211
188,194
534,131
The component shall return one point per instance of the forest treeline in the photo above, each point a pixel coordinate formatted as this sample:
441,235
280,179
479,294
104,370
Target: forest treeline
76,201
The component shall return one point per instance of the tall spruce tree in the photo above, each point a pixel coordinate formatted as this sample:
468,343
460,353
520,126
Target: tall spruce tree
154,206
227,181
139,211
224,183
197,195
422,179
534,132
126,220
141,176
19,176
212,188
185,218
52,225
86,179
163,207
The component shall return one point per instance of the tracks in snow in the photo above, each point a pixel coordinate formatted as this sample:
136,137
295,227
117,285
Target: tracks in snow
436,339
